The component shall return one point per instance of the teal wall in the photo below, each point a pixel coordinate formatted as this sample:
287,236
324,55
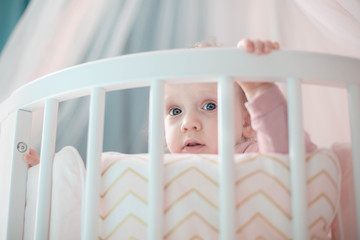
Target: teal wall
10,12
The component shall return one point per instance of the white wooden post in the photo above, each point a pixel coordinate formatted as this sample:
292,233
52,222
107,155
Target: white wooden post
354,110
297,160
156,168
94,149
18,178
45,175
226,158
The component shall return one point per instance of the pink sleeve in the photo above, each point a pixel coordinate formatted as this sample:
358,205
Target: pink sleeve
269,119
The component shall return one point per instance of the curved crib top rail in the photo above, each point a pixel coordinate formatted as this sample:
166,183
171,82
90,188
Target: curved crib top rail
137,70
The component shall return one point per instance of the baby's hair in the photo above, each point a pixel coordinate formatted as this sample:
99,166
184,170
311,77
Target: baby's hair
208,42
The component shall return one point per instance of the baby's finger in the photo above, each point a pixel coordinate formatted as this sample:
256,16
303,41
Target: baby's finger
246,44
32,152
27,159
276,45
31,161
31,158
268,47
259,47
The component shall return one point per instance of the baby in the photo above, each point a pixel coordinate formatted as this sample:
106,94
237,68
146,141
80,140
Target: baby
191,114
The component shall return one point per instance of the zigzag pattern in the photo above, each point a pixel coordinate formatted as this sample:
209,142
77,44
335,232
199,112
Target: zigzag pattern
191,203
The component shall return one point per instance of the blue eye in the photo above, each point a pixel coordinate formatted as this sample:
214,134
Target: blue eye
175,111
209,106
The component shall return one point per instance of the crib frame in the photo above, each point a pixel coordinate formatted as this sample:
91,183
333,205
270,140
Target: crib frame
154,69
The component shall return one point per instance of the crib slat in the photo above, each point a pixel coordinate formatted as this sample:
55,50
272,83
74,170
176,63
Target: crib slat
90,221
156,168
226,157
19,123
354,109
45,174
297,160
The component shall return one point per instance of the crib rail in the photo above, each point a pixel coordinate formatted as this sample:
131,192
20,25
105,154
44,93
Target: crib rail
95,140
154,69
354,102
138,70
45,176
226,152
297,156
156,168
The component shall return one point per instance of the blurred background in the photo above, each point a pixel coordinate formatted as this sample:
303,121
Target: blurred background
38,37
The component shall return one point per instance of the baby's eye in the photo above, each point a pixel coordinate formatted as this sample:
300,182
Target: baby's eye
175,111
209,106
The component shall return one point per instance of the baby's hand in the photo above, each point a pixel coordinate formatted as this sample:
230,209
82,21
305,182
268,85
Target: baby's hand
31,158
257,46
254,89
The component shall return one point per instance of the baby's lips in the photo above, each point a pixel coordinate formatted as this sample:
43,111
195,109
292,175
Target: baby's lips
191,143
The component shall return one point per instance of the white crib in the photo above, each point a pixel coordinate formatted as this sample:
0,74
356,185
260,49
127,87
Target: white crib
154,69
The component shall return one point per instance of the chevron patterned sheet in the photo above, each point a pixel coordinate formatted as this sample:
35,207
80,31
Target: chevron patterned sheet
191,209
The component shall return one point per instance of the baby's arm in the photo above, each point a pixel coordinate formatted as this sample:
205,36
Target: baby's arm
255,89
268,107
32,158
269,119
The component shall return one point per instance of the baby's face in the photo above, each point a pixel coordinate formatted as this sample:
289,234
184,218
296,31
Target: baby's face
191,117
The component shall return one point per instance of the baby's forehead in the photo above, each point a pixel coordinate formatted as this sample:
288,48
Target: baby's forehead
175,92
193,87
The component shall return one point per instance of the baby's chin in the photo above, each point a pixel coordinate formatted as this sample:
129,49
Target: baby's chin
199,149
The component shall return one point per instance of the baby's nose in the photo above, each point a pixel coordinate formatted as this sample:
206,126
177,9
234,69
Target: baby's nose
191,123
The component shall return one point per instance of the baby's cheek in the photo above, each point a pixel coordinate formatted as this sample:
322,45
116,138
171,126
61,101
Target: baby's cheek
170,140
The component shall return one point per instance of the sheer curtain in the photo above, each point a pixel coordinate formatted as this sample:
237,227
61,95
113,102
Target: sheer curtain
54,35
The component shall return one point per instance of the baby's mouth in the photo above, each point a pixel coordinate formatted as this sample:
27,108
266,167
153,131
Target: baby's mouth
192,146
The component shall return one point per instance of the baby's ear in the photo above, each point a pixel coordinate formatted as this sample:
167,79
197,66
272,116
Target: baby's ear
248,132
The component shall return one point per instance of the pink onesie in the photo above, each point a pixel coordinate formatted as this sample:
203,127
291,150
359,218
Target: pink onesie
269,119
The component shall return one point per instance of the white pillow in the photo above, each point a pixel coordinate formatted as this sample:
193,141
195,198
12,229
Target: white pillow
66,200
